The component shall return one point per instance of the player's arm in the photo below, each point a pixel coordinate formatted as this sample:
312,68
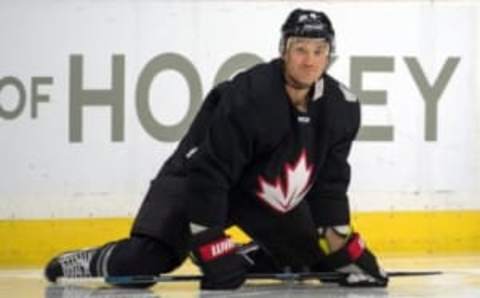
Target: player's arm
217,162
213,167
344,248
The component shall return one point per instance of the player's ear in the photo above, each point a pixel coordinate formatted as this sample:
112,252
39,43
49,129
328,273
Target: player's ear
283,48
283,54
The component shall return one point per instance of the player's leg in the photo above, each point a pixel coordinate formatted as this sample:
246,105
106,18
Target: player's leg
133,256
158,243
163,214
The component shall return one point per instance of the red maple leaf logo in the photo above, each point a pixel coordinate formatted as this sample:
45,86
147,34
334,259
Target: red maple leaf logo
283,197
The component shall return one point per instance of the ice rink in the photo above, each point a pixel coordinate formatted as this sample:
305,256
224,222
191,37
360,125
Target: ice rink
460,278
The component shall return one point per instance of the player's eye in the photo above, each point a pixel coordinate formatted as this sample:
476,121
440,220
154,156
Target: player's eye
300,49
322,50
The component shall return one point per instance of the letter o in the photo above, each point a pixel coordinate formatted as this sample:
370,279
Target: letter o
21,98
167,61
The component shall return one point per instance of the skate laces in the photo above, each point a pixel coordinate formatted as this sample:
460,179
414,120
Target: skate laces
76,264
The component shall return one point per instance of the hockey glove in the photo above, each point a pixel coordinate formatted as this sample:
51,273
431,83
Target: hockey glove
219,259
359,264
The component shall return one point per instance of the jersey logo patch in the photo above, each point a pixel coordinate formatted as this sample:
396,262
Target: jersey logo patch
283,196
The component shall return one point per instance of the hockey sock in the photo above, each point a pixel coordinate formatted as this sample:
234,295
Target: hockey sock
136,256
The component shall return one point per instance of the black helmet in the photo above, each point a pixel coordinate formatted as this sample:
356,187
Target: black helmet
307,23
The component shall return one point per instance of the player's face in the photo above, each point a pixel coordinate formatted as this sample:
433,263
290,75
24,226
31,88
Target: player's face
305,61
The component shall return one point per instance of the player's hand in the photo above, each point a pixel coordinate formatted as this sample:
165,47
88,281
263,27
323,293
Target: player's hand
364,270
222,265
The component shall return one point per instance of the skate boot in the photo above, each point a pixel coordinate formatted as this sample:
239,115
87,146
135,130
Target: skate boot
78,264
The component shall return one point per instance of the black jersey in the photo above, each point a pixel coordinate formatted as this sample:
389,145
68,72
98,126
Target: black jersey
249,143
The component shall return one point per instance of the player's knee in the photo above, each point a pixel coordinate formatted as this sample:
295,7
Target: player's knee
142,256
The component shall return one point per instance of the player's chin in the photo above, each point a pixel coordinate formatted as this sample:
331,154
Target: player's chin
306,83
302,82
308,80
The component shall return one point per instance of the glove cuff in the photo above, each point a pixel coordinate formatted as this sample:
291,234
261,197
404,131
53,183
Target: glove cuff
216,249
212,244
355,247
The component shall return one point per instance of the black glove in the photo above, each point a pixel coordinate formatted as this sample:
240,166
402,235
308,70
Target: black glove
359,264
222,265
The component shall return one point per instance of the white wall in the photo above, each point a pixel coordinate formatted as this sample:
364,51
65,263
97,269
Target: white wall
45,173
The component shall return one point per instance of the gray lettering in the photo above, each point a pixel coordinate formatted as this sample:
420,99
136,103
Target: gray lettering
234,64
36,96
80,97
17,84
431,93
167,61
360,65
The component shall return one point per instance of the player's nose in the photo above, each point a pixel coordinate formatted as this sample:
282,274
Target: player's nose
309,59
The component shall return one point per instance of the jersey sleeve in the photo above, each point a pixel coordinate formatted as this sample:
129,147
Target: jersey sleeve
218,161
328,197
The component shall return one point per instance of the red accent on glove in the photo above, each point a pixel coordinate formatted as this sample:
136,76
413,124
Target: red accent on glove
216,249
355,247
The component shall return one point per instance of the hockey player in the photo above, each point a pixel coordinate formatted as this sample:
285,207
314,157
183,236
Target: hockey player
267,152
